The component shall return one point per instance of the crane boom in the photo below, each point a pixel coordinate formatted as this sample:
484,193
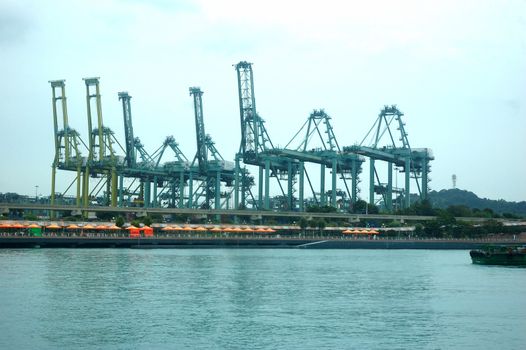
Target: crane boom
202,152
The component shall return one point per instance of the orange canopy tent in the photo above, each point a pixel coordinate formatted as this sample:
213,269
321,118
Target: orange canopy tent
364,232
53,226
88,227
33,226
215,229
134,231
247,229
113,227
347,232
18,225
200,228
167,228
72,227
148,231
101,227
188,228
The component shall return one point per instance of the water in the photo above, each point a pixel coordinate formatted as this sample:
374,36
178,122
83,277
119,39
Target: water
257,299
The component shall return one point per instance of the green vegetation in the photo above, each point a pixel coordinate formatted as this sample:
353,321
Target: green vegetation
119,221
456,197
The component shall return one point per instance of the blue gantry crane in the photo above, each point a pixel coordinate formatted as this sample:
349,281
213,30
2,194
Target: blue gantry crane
326,153
256,149
208,181
412,162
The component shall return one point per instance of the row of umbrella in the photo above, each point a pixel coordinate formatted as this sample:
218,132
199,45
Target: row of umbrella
360,232
144,228
218,229
57,227
167,228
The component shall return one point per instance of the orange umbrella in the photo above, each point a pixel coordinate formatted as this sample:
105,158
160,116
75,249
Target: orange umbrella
73,227
113,227
188,228
33,226
53,226
18,225
261,229
269,230
101,227
200,228
5,225
88,227
148,231
228,229
346,232
167,228
177,228
247,229
216,229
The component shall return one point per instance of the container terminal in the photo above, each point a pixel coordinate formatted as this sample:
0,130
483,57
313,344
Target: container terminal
123,174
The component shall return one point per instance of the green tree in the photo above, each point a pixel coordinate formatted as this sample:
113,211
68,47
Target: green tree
459,211
119,221
321,224
303,224
419,229
147,220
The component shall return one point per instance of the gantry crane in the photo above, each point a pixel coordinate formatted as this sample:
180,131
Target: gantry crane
256,148
102,159
328,155
210,163
411,162
67,143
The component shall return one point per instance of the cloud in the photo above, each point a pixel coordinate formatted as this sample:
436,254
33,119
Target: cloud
14,24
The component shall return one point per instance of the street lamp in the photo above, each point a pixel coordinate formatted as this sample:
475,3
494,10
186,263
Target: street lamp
36,192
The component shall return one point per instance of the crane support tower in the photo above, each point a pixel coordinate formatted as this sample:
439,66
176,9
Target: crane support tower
113,175
67,144
256,149
412,162
327,154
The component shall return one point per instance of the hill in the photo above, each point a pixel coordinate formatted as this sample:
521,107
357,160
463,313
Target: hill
445,198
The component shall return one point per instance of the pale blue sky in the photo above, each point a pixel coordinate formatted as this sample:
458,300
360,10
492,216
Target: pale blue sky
457,69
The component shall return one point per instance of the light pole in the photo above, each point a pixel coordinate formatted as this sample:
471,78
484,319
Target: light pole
36,193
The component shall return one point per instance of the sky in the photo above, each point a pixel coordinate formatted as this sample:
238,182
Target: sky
456,69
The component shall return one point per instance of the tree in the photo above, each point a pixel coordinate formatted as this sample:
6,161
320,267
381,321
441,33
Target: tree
432,229
321,225
303,224
419,229
119,221
459,211
147,220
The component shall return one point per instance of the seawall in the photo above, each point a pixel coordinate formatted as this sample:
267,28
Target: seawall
193,242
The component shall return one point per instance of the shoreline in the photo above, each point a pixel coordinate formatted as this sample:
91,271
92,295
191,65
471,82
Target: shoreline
244,242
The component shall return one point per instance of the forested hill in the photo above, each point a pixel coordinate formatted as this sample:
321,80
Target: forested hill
445,198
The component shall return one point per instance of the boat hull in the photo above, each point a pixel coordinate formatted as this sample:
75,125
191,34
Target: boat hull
498,258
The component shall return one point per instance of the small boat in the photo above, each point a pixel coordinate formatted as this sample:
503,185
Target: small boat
499,255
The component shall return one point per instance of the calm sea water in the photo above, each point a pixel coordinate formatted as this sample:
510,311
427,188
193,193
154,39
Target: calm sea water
257,299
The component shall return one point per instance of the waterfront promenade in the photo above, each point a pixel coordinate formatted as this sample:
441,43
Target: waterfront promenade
243,241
